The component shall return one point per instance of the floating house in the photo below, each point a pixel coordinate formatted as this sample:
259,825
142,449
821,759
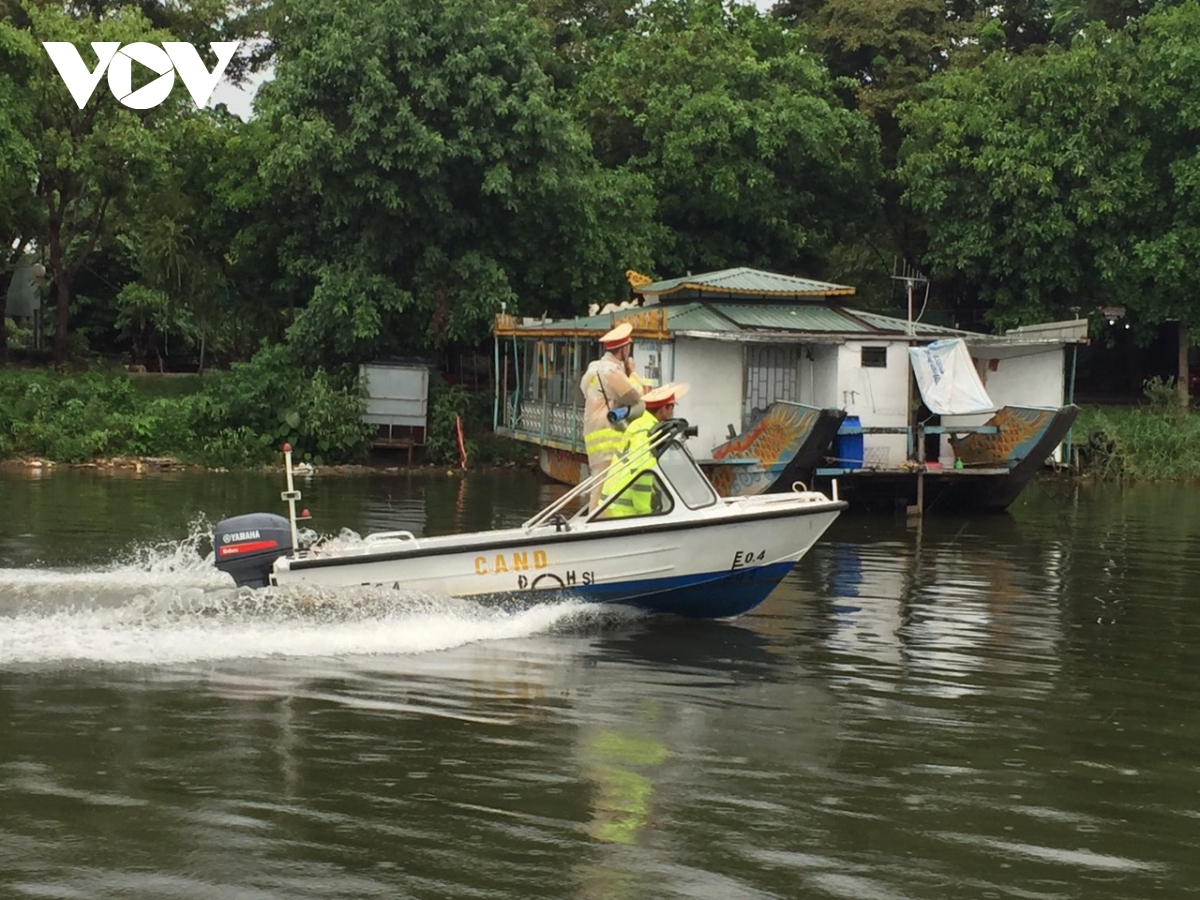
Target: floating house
790,383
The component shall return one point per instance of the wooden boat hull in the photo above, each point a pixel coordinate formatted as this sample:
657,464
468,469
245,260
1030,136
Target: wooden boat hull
786,446
996,467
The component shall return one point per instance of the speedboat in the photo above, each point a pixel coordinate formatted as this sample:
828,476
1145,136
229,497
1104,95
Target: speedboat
690,552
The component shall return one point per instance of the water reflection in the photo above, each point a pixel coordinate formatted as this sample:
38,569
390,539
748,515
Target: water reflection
941,608
593,743
580,743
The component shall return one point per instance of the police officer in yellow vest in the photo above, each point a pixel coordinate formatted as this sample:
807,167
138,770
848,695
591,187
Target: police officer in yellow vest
608,394
638,500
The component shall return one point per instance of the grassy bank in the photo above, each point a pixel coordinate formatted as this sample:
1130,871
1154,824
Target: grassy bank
231,419
1153,442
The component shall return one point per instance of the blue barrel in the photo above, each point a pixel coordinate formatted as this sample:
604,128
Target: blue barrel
848,448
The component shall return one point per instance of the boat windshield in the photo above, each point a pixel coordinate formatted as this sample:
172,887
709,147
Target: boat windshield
677,465
645,495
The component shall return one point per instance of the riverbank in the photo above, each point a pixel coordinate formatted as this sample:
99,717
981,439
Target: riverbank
1155,442
223,420
156,464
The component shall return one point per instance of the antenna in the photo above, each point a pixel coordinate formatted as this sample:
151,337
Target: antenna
911,276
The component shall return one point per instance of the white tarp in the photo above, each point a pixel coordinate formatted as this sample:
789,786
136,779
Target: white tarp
948,380
22,294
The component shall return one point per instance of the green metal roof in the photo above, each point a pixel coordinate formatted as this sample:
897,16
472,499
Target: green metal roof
791,319
748,301
891,323
738,317
742,282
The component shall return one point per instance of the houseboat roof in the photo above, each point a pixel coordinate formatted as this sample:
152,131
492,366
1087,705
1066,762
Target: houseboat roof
744,304
741,282
735,321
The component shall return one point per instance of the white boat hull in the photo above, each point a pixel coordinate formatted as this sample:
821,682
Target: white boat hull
661,540
719,562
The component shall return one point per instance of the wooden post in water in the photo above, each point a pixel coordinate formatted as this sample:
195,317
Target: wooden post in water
910,277
919,509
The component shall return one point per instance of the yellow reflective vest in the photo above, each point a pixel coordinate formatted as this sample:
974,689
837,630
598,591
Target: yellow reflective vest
638,500
605,386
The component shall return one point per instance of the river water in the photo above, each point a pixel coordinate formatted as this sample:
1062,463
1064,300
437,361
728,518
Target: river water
995,707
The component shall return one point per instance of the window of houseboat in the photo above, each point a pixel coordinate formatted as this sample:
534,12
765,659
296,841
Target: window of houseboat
689,482
874,357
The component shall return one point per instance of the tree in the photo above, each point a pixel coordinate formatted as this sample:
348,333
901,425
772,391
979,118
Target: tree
88,160
1071,17
426,173
579,29
180,242
1030,178
732,121
96,166
884,49
19,214
199,22
1164,74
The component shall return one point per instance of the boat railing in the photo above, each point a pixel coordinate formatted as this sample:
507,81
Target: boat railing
379,536
620,464
548,425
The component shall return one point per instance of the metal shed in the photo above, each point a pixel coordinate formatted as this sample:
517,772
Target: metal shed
397,402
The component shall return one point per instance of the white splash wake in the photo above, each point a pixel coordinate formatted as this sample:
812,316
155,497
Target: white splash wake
167,604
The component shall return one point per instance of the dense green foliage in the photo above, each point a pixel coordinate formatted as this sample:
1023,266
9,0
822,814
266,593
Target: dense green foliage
414,167
1154,442
233,418
1029,178
450,404
419,166
1056,182
229,419
737,133
401,182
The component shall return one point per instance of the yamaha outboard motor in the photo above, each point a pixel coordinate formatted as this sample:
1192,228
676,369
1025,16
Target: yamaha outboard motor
247,546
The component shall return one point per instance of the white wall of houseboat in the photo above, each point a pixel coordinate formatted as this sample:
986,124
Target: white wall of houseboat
1030,375
819,376
717,372
878,395
713,370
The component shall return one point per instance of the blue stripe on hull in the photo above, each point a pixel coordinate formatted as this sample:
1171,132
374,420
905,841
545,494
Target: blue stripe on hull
711,595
